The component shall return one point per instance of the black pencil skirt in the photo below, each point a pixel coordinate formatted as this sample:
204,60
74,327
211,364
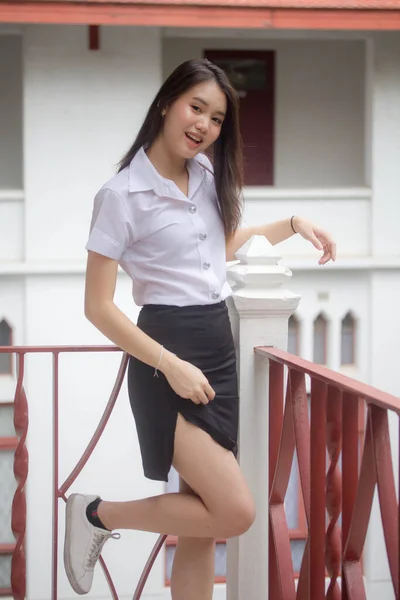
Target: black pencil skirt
202,336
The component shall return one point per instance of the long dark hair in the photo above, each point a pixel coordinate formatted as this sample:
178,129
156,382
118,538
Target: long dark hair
227,149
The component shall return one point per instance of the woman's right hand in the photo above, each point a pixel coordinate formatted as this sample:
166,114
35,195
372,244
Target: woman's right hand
186,379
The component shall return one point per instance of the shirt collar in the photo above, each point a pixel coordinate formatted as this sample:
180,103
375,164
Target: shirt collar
143,176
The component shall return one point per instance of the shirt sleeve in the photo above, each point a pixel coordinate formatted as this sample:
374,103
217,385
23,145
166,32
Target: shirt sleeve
111,231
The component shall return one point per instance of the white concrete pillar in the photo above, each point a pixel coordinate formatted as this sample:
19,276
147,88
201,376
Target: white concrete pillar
334,361
385,143
260,310
307,337
384,81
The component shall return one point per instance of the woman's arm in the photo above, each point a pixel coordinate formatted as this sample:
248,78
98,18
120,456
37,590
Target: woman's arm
282,230
274,232
101,276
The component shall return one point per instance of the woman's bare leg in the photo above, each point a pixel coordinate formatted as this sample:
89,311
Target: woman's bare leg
193,567
223,506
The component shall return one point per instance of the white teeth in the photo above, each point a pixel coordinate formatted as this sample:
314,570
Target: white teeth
197,140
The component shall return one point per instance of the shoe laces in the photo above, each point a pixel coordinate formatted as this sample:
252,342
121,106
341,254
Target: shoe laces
98,541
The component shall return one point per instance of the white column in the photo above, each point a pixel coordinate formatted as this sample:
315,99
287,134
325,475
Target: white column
384,84
307,337
334,359
385,143
260,310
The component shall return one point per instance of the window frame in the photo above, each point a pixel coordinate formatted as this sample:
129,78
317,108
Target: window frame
349,314
269,56
321,316
10,371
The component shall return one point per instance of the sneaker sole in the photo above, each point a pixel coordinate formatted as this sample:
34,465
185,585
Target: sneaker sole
67,564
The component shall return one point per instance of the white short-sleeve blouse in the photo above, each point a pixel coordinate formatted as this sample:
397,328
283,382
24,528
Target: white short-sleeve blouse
171,246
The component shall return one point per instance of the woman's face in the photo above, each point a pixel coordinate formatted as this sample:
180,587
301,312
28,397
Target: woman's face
193,122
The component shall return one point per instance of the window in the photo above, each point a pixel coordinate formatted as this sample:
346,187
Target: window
320,340
5,340
251,73
348,340
294,335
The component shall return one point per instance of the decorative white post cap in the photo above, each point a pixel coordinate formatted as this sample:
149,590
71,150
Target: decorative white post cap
258,281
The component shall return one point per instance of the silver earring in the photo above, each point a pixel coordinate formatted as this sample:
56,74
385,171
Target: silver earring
163,112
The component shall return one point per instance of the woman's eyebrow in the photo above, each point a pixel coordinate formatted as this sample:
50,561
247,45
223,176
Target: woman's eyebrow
201,101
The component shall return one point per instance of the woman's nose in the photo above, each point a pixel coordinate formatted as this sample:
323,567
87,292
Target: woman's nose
202,125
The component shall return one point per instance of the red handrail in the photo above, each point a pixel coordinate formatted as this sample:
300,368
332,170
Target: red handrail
18,565
343,489
340,381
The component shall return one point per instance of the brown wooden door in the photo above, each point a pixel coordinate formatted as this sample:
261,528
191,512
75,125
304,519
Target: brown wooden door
252,75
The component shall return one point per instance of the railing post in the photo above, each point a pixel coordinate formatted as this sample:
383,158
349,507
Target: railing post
260,309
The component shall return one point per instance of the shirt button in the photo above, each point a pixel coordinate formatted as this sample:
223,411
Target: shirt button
203,236
192,209
206,265
215,295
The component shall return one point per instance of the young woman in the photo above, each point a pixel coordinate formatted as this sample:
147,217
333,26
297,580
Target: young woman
171,220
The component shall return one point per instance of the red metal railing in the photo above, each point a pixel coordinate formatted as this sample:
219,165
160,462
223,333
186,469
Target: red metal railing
343,490
331,421
21,420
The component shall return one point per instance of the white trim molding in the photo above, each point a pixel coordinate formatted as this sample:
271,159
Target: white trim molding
350,263
272,193
13,195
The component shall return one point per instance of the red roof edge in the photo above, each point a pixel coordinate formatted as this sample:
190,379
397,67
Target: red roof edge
221,14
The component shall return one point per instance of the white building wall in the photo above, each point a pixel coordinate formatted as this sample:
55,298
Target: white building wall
344,212
81,111
12,235
319,100
385,144
384,101
334,294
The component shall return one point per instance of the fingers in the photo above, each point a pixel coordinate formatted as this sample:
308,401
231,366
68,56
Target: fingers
209,391
329,254
315,242
201,396
204,394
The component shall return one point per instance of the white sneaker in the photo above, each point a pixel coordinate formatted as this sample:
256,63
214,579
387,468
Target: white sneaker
83,543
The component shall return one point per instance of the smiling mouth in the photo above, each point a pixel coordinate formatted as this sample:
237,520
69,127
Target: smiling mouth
194,139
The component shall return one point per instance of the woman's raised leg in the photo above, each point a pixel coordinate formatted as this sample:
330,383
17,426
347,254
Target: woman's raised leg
193,567
221,506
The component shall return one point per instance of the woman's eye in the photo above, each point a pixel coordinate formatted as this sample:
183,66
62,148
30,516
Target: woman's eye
196,108
217,121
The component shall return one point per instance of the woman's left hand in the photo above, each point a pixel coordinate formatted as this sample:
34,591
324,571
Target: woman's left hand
318,237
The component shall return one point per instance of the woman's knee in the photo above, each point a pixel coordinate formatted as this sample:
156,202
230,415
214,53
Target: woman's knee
216,479
238,516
